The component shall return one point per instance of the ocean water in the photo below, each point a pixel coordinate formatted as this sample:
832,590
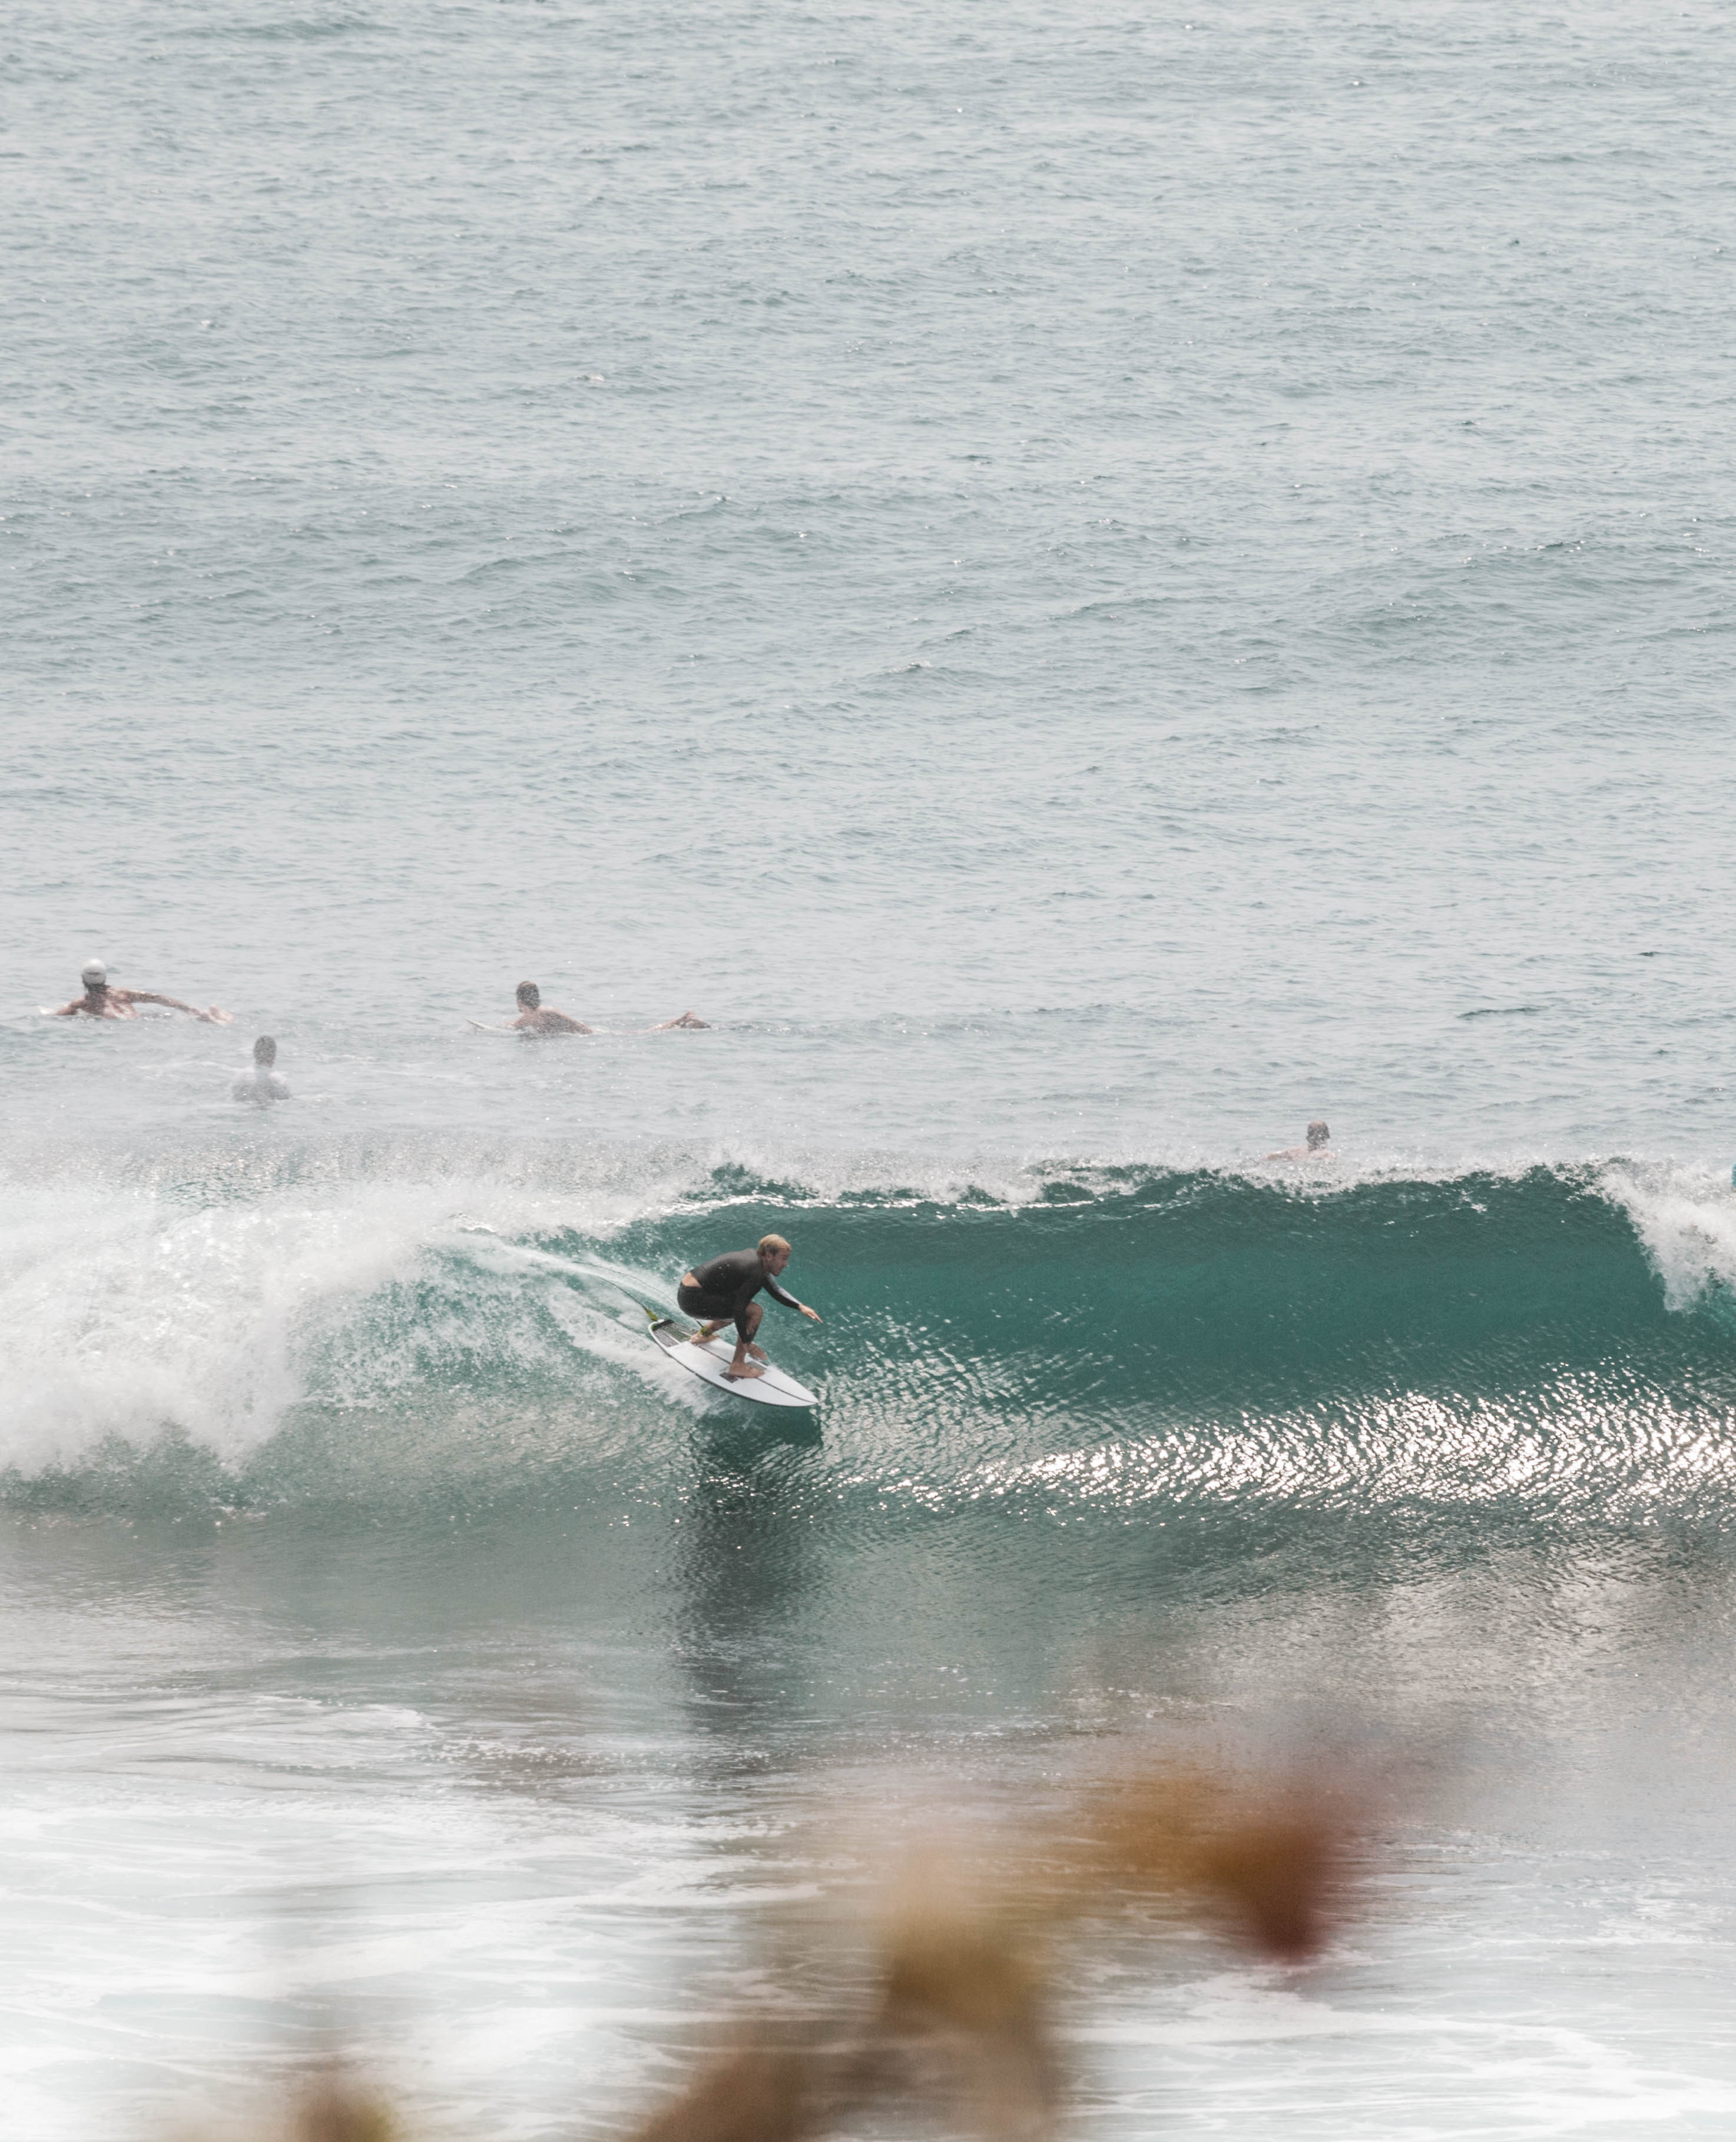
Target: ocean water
1087,588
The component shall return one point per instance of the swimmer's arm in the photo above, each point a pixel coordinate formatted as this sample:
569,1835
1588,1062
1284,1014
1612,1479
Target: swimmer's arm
213,1017
69,1010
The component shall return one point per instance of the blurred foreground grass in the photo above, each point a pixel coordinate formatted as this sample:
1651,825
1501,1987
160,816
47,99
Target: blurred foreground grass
954,2017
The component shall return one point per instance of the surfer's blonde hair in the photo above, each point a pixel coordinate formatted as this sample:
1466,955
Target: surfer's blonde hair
772,1243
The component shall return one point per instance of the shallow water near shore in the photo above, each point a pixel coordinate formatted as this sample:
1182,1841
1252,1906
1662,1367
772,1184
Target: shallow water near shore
1085,593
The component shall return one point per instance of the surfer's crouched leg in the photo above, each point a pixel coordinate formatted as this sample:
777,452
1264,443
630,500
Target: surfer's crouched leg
747,1323
747,1326
711,1314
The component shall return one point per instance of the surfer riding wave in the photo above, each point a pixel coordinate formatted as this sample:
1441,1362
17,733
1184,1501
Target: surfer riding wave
722,1292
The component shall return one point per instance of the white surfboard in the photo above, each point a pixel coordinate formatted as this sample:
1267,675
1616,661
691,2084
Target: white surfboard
709,1361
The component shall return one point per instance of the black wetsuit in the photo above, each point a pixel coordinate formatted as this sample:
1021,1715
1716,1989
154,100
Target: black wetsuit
726,1285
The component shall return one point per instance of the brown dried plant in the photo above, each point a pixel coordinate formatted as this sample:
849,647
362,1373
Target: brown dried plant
1270,1856
755,2092
959,2009
962,1999
330,2104
335,2109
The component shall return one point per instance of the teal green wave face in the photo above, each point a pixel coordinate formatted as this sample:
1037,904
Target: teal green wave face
1181,1290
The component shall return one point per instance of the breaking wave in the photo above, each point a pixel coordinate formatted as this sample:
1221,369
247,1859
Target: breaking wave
382,1324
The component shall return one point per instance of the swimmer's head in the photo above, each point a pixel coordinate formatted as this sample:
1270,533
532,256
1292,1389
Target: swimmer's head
94,975
264,1052
1317,1135
529,995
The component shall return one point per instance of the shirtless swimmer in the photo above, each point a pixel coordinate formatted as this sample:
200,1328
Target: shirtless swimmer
100,1001
1319,1146
536,1017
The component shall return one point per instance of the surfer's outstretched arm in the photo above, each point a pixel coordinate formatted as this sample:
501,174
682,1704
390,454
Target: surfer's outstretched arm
789,1301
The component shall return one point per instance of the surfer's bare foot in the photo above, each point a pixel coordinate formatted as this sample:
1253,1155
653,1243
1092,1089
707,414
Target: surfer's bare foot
756,1353
742,1374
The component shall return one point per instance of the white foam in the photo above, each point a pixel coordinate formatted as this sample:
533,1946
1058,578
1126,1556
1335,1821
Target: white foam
1686,1218
130,1311
124,1314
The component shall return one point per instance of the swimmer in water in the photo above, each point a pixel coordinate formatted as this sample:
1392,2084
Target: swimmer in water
724,1289
261,1085
1319,1146
100,1001
535,1017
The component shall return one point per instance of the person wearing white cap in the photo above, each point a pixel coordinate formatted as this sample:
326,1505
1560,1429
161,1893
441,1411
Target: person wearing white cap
100,1001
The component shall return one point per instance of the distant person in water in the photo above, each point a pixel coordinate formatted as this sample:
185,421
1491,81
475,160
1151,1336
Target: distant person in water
535,1017
261,1085
1319,1146
100,1001
722,1291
